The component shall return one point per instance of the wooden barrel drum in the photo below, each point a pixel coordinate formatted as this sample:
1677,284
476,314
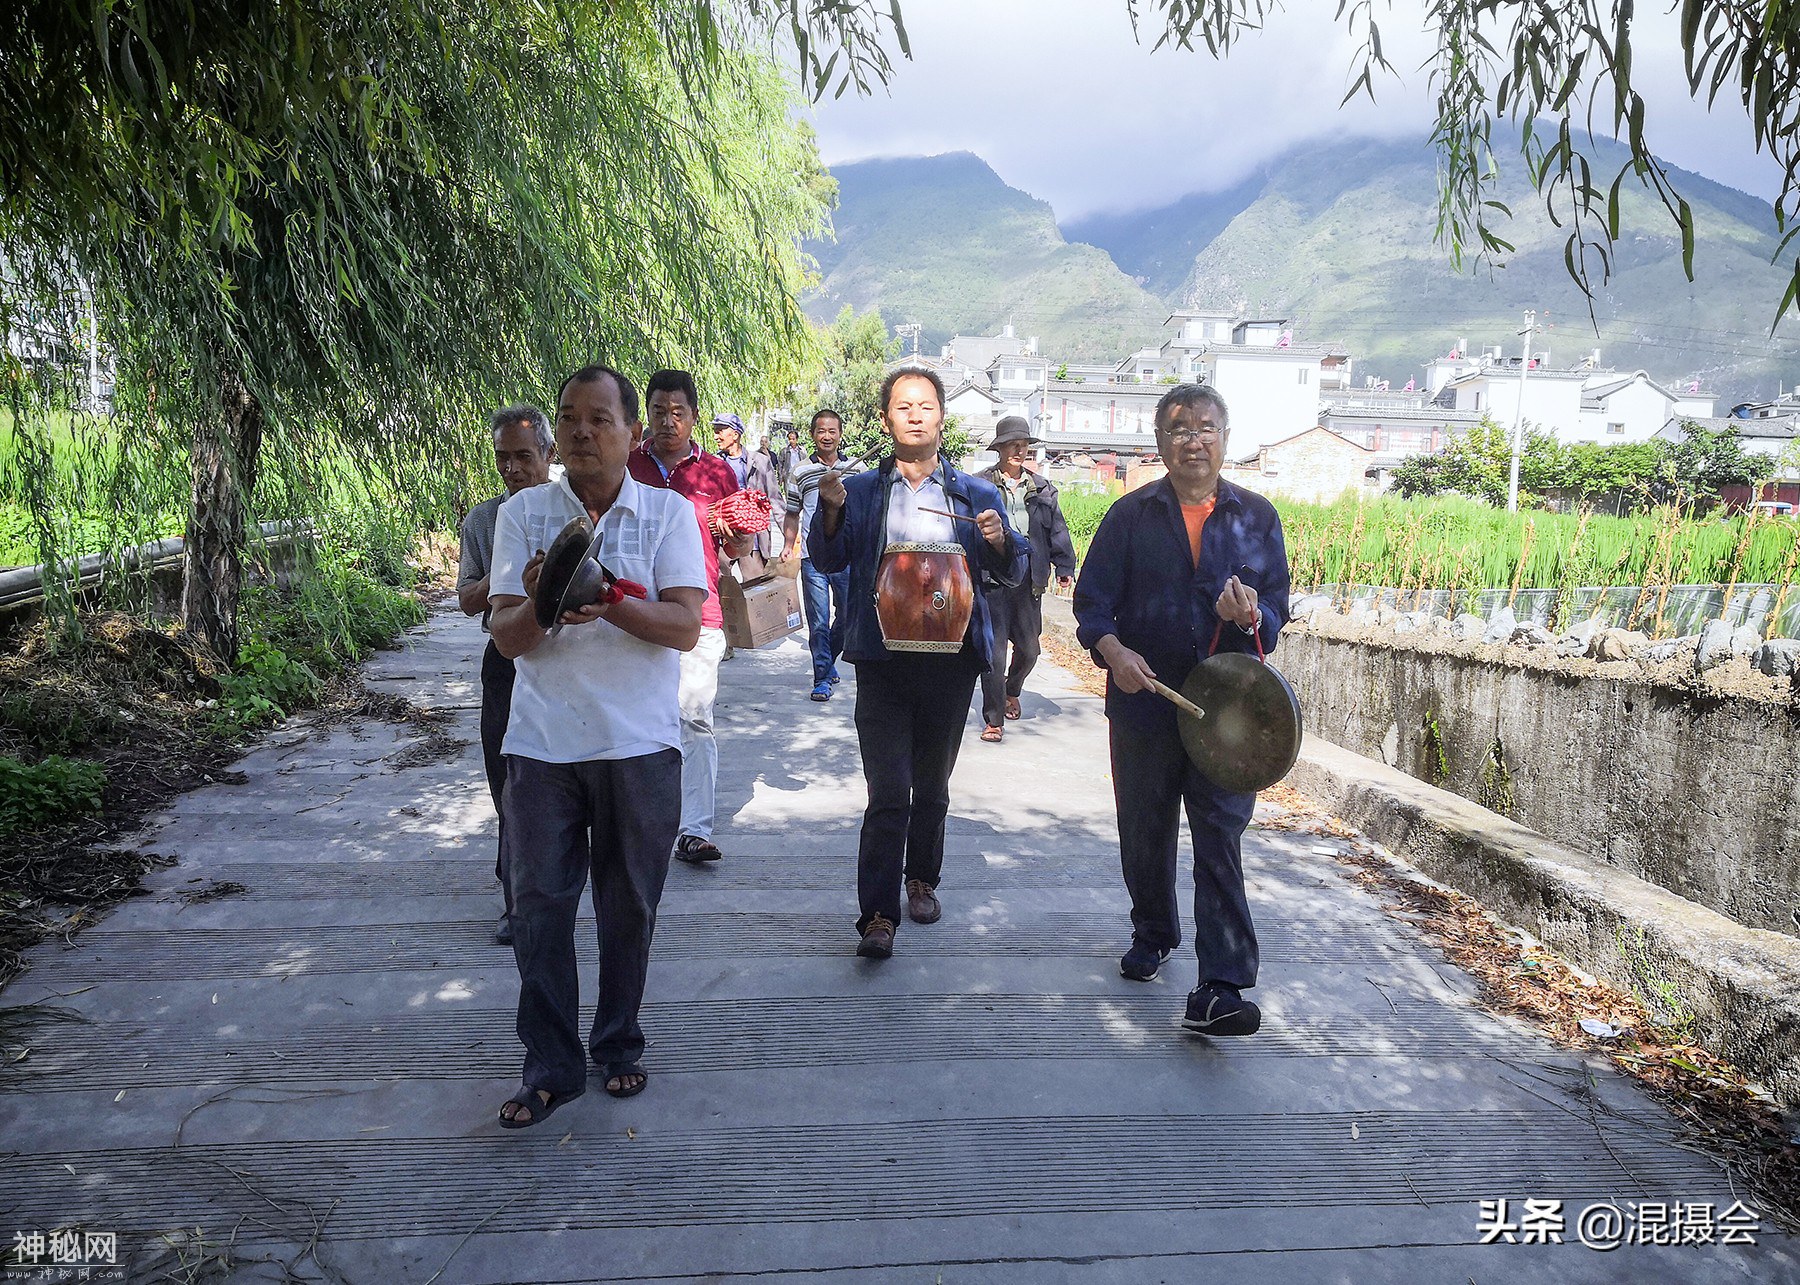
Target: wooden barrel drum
924,597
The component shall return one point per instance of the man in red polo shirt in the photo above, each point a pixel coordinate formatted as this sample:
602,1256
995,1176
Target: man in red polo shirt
670,458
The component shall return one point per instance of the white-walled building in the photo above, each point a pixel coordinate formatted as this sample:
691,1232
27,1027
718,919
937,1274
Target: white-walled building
1765,428
1632,408
1551,398
1587,402
977,352
1272,389
1407,422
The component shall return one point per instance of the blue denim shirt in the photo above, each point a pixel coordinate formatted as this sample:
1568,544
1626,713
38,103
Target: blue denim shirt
1139,581
861,540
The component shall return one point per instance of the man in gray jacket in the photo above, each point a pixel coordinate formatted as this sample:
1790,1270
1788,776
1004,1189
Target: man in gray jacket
1018,612
523,449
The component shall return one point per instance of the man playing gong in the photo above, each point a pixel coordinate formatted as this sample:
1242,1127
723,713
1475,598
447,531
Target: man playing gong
912,689
1178,568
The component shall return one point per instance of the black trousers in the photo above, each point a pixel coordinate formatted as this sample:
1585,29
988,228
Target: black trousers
1017,617
613,819
1152,781
910,711
496,706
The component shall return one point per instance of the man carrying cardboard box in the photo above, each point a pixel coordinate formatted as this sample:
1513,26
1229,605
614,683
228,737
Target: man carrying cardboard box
670,459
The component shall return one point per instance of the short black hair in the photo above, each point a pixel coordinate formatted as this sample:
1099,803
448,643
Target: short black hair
628,396
911,372
674,381
1183,395
822,413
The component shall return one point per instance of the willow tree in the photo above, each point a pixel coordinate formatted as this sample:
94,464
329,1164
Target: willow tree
352,225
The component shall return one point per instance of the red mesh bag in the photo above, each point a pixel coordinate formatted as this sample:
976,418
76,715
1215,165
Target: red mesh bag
745,512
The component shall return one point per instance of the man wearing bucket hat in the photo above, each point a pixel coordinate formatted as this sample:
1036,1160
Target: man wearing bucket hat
1018,612
1178,568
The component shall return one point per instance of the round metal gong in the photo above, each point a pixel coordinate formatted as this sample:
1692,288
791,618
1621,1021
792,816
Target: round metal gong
1250,736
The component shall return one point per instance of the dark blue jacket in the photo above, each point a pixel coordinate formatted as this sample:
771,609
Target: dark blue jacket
1139,582
861,540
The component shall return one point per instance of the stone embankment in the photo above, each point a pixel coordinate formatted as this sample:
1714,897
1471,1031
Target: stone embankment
1720,660
1672,761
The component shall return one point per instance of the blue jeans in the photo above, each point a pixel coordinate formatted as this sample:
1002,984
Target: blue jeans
826,600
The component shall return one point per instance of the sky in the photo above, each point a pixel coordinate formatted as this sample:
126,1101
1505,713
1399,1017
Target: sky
1063,103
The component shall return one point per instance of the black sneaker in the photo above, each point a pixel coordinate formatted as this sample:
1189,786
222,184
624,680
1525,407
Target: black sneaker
1217,1009
1141,962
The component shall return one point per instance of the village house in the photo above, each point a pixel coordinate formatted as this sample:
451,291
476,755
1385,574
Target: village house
1393,424
1587,402
1317,465
1765,428
1633,408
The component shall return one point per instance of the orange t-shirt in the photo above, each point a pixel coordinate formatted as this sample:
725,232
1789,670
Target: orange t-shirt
1195,515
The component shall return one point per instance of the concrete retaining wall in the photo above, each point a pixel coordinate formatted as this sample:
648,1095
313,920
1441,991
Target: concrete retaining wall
1738,989
1698,794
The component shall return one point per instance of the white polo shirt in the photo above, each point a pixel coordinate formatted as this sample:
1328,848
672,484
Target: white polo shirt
594,691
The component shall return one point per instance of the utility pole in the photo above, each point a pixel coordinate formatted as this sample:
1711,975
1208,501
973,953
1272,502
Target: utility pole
1512,486
910,330
93,347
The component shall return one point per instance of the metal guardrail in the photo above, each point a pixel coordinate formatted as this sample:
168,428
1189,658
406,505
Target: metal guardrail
22,587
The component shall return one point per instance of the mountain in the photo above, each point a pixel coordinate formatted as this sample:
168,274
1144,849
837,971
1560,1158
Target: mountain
1159,246
943,241
1340,237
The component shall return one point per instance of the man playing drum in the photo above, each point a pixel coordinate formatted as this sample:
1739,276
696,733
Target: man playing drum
1178,568
912,686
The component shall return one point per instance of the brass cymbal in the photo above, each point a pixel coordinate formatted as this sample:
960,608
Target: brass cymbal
564,579
1250,736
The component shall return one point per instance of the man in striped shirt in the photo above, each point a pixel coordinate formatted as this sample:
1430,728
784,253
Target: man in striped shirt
825,595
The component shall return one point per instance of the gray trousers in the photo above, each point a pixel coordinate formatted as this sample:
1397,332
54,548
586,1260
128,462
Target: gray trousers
1015,616
615,818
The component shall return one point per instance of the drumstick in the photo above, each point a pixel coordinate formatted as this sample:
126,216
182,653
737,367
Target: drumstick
946,513
1180,702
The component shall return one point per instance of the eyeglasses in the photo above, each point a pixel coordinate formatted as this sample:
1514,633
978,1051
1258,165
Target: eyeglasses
1181,436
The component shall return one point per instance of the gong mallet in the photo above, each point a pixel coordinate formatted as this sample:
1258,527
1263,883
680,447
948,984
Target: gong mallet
1176,699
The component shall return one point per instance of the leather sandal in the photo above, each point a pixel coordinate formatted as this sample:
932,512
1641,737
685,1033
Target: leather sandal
694,850
541,1110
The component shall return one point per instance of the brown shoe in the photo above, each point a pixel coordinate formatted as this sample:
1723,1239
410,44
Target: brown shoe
921,902
992,734
877,939
1012,708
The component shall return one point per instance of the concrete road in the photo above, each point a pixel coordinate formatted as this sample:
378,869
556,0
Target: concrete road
302,1076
